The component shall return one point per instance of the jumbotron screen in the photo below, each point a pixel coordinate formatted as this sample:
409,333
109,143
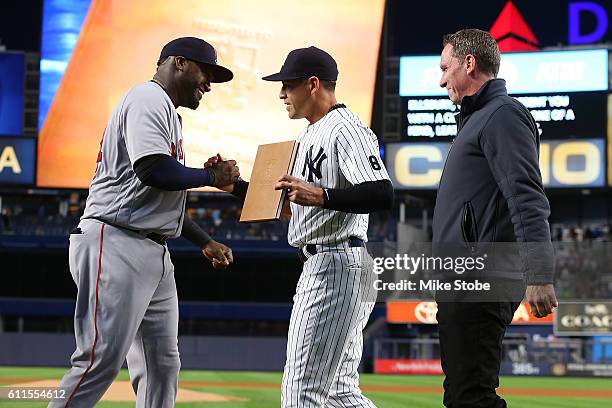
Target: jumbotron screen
93,51
565,91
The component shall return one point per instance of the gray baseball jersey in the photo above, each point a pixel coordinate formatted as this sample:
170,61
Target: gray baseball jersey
337,151
127,304
144,122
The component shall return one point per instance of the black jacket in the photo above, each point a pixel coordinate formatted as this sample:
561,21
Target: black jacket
491,188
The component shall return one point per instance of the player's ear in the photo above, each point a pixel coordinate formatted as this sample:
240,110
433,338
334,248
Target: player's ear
314,84
180,63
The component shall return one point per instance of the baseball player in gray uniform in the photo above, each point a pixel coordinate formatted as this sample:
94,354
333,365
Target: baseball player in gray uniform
337,180
127,303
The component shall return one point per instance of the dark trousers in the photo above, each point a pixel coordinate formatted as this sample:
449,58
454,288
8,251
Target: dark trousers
471,349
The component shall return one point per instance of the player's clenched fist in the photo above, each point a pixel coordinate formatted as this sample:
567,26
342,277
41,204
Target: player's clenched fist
224,172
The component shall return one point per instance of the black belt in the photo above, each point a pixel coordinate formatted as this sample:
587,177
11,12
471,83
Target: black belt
153,236
159,238
353,242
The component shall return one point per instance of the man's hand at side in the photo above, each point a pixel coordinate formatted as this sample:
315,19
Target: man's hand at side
219,254
541,299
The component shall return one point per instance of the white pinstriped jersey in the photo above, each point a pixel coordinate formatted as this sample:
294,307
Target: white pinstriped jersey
337,151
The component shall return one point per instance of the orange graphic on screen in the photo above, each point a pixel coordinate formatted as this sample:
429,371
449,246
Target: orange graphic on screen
119,45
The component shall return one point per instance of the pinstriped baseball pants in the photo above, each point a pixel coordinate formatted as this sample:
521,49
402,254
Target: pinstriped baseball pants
332,304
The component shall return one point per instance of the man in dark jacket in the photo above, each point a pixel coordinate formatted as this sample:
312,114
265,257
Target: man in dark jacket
490,192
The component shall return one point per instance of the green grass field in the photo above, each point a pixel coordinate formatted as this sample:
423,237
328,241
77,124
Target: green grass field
386,391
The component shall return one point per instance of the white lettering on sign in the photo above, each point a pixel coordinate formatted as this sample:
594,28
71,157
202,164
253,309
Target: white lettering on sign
421,117
587,321
552,101
431,104
421,130
446,130
561,71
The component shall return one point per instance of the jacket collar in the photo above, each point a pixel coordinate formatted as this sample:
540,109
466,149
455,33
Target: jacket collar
489,90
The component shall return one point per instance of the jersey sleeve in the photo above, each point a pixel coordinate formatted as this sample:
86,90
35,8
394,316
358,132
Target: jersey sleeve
359,155
146,126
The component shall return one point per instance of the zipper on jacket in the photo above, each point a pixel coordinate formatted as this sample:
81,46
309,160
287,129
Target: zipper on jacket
468,226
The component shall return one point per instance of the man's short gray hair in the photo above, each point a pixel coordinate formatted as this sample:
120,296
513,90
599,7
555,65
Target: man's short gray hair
478,43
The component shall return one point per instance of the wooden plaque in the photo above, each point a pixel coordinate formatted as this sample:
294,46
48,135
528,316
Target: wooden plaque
263,202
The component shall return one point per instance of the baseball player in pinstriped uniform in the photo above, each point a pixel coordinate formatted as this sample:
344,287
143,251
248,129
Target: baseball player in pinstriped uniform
337,180
127,303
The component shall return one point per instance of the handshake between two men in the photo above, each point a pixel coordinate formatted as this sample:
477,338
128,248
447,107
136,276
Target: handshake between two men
225,174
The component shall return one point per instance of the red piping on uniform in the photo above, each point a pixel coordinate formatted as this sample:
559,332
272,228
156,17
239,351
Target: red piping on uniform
93,348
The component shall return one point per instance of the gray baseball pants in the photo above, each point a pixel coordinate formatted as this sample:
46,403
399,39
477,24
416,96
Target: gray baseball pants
126,308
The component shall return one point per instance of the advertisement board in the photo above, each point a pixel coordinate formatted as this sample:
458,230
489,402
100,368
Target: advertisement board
17,160
425,313
403,366
573,163
12,71
588,318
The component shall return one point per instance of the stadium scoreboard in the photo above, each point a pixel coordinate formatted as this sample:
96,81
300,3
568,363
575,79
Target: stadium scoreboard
567,93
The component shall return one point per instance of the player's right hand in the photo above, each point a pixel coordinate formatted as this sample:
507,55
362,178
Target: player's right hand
225,172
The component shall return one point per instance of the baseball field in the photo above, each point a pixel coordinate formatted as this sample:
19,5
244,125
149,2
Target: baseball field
204,389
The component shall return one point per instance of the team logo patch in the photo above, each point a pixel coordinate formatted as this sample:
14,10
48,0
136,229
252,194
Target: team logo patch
177,151
313,164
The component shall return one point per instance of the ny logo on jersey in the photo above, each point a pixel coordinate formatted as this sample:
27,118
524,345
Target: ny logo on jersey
313,164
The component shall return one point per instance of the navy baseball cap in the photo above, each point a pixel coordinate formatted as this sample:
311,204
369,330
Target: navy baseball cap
198,50
304,63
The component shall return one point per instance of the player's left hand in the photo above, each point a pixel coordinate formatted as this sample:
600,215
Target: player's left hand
300,192
220,255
